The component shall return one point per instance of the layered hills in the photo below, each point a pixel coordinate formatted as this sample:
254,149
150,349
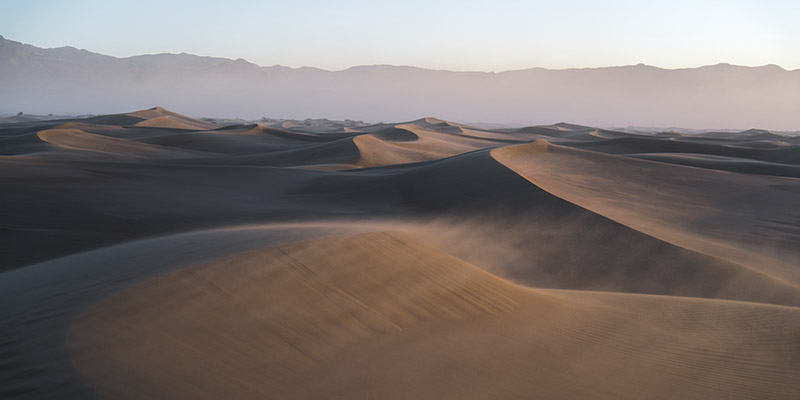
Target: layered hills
71,81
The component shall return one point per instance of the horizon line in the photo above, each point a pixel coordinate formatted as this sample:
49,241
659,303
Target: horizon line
474,124
641,64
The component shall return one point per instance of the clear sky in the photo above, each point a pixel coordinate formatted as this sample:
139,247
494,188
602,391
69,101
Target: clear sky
453,34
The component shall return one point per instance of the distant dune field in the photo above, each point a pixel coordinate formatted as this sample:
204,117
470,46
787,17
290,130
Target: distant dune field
155,255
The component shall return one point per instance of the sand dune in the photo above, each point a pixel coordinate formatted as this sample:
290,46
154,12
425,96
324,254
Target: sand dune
158,117
151,254
408,321
733,164
622,189
80,140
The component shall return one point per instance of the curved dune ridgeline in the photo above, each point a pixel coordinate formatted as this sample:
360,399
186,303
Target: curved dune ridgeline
382,315
154,255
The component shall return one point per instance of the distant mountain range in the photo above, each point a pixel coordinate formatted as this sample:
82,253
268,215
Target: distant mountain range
67,80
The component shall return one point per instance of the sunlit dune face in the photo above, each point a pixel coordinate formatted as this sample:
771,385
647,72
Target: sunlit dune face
179,257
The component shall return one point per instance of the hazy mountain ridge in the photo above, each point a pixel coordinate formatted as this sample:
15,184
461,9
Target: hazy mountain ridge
66,80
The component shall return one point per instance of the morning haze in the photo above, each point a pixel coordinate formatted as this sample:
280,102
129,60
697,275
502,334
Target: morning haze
447,199
70,81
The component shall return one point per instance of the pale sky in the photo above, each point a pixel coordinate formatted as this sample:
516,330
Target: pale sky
454,34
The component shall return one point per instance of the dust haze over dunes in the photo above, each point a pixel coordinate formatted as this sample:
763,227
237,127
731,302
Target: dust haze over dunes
67,80
155,255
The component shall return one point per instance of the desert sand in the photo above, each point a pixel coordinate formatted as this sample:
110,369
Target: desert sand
155,255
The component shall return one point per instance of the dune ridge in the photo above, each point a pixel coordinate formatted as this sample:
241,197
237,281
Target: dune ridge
345,318
627,181
151,254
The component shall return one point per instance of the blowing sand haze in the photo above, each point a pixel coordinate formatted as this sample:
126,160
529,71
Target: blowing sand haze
154,255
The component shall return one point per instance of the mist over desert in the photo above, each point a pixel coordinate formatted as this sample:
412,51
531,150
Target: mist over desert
151,254
399,200
69,81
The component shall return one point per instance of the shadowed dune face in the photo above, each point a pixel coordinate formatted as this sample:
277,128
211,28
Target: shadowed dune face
424,259
636,193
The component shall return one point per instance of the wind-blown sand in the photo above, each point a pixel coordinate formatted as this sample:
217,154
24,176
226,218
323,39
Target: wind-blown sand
152,255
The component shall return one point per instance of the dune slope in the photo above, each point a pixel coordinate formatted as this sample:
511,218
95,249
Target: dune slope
735,217
381,315
155,255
